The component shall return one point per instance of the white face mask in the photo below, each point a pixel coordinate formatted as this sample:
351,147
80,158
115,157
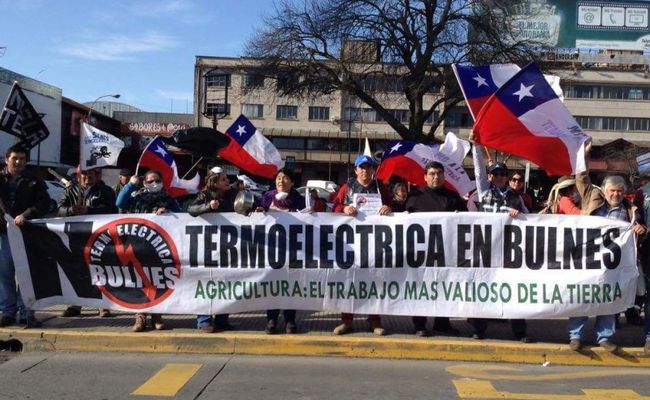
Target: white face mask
154,187
281,196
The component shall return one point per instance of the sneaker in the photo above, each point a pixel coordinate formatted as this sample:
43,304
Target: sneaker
271,327
104,313
421,333
157,322
207,328
6,321
376,328
140,323
575,344
291,328
71,311
646,348
343,328
608,346
31,322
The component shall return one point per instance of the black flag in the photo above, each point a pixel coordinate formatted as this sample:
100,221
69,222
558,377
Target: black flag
20,119
199,141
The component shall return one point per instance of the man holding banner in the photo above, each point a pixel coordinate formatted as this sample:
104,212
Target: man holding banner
434,197
363,184
22,198
90,196
609,203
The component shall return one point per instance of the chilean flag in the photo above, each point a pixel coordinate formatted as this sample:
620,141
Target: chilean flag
526,118
407,160
250,150
155,156
481,82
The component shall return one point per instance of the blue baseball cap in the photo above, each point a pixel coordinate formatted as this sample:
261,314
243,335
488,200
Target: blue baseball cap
363,159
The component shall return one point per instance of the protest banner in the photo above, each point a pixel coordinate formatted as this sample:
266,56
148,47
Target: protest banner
433,264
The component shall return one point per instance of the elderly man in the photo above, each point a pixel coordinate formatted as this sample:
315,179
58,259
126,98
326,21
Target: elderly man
89,196
23,198
363,183
434,197
610,203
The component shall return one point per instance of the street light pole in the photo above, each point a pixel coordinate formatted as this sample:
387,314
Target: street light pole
90,109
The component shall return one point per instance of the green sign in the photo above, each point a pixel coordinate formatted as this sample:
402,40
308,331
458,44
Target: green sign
621,25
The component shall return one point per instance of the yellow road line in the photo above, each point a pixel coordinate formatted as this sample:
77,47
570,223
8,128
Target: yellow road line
485,390
168,381
484,372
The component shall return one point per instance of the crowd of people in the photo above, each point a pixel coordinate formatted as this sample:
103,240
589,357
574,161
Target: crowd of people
498,191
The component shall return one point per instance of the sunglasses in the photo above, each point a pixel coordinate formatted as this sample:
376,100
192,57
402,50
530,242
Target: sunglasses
154,181
516,179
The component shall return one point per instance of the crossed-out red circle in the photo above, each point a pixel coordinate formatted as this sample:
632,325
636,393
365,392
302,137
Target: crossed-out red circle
113,225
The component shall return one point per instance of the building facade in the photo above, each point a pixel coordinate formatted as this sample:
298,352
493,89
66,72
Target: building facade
607,92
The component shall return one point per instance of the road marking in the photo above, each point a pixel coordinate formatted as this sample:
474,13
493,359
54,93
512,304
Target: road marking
484,372
485,390
168,381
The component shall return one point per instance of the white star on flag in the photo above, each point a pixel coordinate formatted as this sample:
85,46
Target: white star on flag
480,80
160,151
241,129
524,91
396,147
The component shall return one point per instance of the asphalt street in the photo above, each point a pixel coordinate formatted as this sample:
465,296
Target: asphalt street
132,376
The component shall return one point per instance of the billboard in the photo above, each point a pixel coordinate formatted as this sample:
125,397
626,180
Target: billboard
614,24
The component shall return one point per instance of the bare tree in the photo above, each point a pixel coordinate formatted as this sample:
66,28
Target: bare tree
364,47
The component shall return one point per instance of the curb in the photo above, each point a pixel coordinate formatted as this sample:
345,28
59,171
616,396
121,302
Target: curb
312,345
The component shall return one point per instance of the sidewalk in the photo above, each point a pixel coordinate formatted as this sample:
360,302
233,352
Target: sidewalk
91,333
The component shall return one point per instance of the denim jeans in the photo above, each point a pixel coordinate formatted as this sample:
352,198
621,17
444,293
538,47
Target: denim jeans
605,327
647,316
10,300
204,320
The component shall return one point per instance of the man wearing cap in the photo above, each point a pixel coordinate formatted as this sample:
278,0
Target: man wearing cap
495,196
89,196
23,198
362,183
608,202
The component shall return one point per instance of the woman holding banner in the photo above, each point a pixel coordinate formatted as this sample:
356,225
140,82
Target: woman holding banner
150,198
217,196
283,198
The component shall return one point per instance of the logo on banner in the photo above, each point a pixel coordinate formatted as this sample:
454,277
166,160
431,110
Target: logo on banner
133,262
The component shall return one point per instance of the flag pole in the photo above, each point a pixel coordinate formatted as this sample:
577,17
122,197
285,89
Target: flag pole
192,167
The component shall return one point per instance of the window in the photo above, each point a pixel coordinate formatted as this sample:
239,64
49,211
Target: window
253,81
286,112
585,91
253,110
286,82
288,143
456,119
400,115
220,80
613,123
217,108
319,113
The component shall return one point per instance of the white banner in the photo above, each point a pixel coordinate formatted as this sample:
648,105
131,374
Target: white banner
98,148
430,264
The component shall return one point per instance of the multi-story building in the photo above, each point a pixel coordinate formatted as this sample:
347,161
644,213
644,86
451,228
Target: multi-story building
607,92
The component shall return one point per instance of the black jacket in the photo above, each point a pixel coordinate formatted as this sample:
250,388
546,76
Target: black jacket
31,198
201,203
424,199
100,199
